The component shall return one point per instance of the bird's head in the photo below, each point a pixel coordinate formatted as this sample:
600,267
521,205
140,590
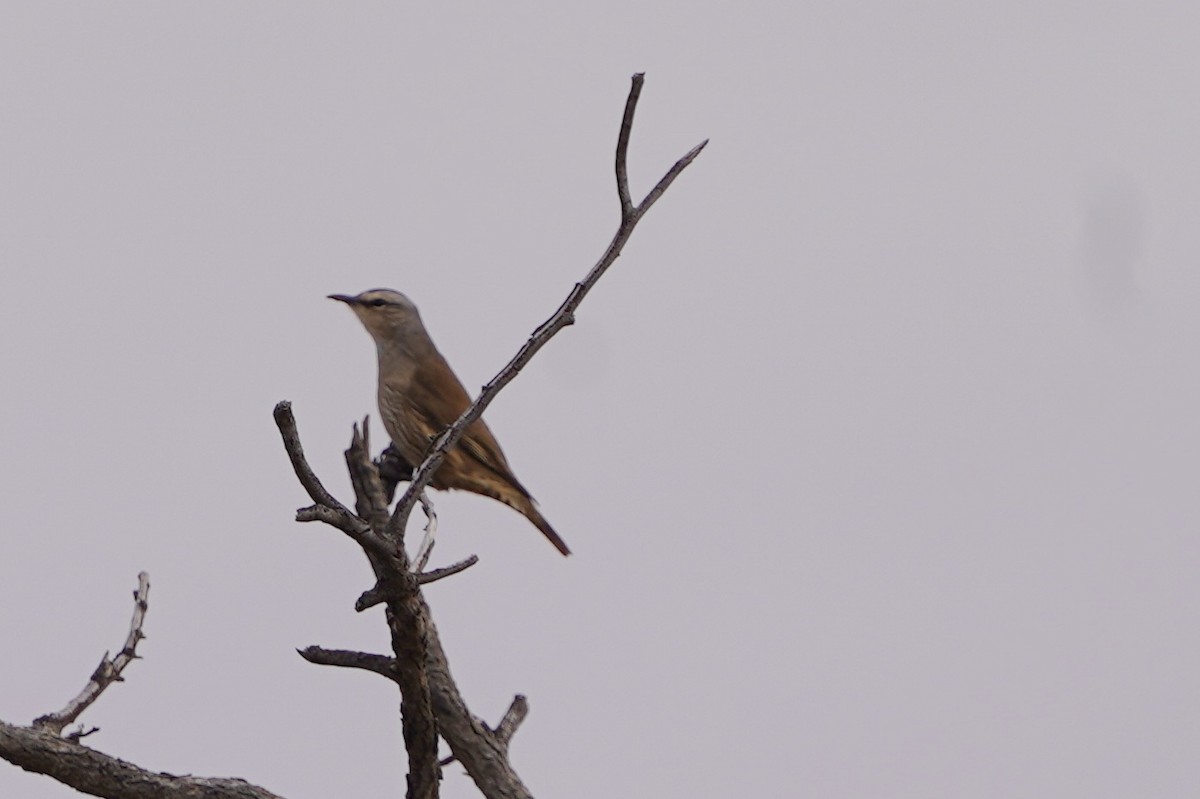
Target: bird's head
387,315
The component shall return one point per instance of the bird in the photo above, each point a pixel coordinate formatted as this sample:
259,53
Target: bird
419,396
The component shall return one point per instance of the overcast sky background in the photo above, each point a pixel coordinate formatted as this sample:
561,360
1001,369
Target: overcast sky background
877,449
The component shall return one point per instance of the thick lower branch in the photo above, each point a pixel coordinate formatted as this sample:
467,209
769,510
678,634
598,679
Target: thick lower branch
98,774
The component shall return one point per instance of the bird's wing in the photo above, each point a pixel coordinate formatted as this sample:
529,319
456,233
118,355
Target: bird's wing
441,401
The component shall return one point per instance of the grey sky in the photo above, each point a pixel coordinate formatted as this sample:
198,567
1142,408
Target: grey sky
877,448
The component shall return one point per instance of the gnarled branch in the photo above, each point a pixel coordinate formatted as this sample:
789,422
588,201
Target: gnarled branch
40,747
88,771
420,666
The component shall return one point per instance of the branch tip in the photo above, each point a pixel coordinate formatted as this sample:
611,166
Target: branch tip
433,575
109,669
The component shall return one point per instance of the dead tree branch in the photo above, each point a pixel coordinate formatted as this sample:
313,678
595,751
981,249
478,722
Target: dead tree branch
565,315
304,473
88,771
512,718
431,703
109,670
347,658
509,722
433,575
42,749
396,587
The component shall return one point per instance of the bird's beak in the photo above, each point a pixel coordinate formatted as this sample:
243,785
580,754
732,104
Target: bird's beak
343,298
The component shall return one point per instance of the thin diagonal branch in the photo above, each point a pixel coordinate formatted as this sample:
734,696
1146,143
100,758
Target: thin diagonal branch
666,180
565,315
109,670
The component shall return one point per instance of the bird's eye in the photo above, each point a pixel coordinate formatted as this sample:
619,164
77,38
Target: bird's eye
377,303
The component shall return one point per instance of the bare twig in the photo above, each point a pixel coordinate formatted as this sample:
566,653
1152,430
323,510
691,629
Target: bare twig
380,592
666,180
635,92
512,718
375,595
109,670
345,521
421,560
368,488
286,423
433,575
347,658
509,722
349,524
565,315
327,508
79,734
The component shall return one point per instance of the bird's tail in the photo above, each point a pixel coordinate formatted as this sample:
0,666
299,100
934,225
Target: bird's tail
514,495
534,515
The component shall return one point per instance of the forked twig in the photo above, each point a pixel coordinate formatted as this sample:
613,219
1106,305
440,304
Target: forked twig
565,315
